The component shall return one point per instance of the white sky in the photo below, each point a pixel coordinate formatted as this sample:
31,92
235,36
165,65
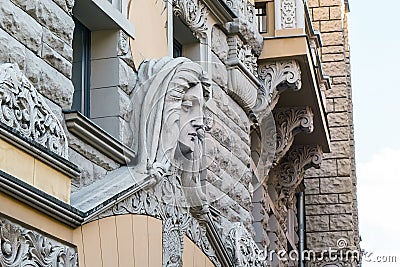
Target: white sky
375,58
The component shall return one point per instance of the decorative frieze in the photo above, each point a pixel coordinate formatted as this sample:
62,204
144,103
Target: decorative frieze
25,110
20,246
288,14
275,78
194,14
289,122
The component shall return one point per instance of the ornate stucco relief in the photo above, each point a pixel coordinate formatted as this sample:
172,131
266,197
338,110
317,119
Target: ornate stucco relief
20,246
287,176
194,14
276,77
288,14
25,110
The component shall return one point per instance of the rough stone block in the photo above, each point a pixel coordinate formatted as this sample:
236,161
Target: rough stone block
338,119
311,185
344,167
50,15
219,72
20,25
340,81
322,199
339,149
339,133
335,68
313,3
336,185
57,44
317,223
328,209
11,50
57,61
332,57
328,169
332,49
345,198
341,104
48,81
325,240
332,38
320,13
335,12
337,91
341,222
330,2
331,26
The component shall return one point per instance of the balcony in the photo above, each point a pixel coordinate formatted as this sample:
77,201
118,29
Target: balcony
289,35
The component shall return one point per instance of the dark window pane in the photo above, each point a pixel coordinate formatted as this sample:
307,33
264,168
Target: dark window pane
81,68
177,49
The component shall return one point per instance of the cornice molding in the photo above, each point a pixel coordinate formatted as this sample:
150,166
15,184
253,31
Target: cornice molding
276,77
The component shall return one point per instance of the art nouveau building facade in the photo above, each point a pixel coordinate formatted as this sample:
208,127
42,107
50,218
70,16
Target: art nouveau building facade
176,133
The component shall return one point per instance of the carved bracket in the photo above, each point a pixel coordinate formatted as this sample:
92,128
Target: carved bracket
20,246
25,110
194,14
290,172
275,78
289,122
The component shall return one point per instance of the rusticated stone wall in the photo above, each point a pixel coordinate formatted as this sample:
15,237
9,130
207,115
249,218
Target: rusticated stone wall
331,203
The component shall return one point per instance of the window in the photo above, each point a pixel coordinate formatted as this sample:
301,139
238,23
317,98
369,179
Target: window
185,44
262,19
81,68
177,49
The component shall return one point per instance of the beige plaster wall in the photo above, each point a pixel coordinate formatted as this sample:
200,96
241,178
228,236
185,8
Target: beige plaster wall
124,240
150,20
193,256
32,171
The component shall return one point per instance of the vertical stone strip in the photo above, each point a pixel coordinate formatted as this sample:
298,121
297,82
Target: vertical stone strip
331,203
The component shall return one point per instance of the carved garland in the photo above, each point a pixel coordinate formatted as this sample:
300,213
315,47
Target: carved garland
23,247
276,77
194,14
289,122
25,110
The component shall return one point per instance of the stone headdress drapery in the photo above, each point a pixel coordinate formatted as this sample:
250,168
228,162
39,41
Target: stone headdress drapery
154,136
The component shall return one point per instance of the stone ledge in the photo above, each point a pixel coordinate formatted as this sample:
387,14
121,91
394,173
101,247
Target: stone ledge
96,137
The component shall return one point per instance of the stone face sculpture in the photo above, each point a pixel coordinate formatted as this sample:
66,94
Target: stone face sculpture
168,123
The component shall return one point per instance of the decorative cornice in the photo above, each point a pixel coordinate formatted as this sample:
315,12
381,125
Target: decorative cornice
289,122
276,77
25,110
194,14
21,246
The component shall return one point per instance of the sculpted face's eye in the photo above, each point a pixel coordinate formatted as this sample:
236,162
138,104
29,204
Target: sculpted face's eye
187,104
